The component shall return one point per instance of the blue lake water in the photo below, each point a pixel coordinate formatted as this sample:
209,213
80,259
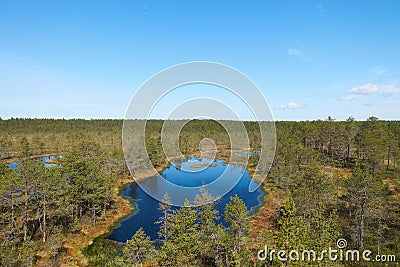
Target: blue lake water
146,212
42,159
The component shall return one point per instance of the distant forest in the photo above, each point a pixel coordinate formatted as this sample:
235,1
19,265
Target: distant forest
329,179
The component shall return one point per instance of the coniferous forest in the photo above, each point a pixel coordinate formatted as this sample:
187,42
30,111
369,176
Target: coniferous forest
329,180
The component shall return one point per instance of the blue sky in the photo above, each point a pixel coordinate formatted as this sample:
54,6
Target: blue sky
311,59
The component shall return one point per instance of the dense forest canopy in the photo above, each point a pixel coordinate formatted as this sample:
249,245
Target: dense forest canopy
329,179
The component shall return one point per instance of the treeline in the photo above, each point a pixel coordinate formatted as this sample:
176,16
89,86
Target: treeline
374,141
40,205
26,137
343,142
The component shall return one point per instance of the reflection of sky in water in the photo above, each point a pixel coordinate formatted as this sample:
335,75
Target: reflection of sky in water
148,207
43,159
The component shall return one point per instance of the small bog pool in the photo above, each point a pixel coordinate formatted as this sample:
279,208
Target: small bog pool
146,213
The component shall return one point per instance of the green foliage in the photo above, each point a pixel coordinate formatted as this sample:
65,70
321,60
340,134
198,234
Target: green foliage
54,242
365,200
237,217
103,252
138,250
37,202
291,229
164,221
312,192
191,236
210,240
89,185
315,198
25,147
181,248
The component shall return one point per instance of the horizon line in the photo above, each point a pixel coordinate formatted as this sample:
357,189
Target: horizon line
180,119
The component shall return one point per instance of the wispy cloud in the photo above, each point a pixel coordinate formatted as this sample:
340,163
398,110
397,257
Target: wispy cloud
310,94
280,106
295,52
385,90
290,105
390,89
293,105
365,89
298,53
346,98
321,8
379,71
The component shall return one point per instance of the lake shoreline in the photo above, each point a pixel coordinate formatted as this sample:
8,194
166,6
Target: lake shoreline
122,211
75,243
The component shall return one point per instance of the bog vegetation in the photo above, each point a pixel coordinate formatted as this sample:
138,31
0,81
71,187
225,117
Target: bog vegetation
329,180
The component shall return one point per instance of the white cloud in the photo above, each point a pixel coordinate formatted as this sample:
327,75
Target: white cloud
295,52
365,89
310,94
390,89
379,71
290,105
346,98
293,105
280,106
298,53
386,90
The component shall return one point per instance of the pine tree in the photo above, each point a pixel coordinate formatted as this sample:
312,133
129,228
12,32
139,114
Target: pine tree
164,221
138,250
50,202
54,241
9,238
182,247
365,196
291,229
25,146
371,144
28,173
209,241
89,185
237,217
